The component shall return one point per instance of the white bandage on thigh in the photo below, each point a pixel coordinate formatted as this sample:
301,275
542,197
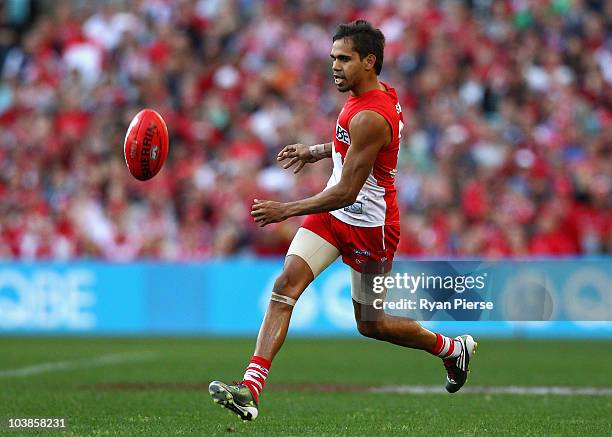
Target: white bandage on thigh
362,288
282,299
314,249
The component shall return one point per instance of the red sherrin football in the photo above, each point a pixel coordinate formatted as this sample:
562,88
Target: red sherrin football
146,144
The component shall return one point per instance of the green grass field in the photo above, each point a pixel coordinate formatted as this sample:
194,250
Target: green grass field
148,387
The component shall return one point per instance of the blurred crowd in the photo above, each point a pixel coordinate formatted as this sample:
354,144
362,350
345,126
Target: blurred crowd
506,151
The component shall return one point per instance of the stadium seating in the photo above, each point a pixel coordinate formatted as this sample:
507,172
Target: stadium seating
506,150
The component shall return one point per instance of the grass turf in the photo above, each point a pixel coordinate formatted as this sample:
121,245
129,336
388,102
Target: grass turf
175,376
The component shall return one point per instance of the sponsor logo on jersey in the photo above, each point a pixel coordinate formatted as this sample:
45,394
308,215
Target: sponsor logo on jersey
362,252
398,108
393,172
355,208
342,135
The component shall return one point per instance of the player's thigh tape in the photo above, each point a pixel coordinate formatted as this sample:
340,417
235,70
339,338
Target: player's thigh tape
363,287
314,249
283,299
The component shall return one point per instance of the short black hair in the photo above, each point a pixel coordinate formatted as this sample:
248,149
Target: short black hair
366,39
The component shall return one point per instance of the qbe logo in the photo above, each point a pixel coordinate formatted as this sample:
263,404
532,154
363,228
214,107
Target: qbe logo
47,299
342,135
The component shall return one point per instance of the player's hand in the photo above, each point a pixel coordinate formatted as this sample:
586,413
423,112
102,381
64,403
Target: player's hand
296,153
265,212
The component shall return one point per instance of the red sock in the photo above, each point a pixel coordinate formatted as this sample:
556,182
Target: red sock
255,375
446,347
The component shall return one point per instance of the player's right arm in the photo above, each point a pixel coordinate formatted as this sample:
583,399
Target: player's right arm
303,154
369,133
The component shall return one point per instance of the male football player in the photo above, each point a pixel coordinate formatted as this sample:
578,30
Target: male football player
355,217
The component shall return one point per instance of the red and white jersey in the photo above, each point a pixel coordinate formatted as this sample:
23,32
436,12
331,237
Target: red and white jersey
376,204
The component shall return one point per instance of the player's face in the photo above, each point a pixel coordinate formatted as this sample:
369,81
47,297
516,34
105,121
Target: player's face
347,68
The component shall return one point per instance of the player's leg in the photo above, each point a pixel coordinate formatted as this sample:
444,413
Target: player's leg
288,288
243,398
380,245
308,255
373,322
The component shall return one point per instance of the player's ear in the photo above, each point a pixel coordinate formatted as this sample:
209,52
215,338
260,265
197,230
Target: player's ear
369,61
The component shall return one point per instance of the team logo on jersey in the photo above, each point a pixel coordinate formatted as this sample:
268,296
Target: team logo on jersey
342,135
355,208
393,172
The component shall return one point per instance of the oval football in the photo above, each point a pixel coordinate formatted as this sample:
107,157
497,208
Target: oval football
146,144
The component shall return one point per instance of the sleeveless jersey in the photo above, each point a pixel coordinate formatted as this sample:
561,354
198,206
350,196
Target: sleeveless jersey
376,204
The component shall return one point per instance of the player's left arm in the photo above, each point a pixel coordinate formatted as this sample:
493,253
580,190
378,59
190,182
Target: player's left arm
369,132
